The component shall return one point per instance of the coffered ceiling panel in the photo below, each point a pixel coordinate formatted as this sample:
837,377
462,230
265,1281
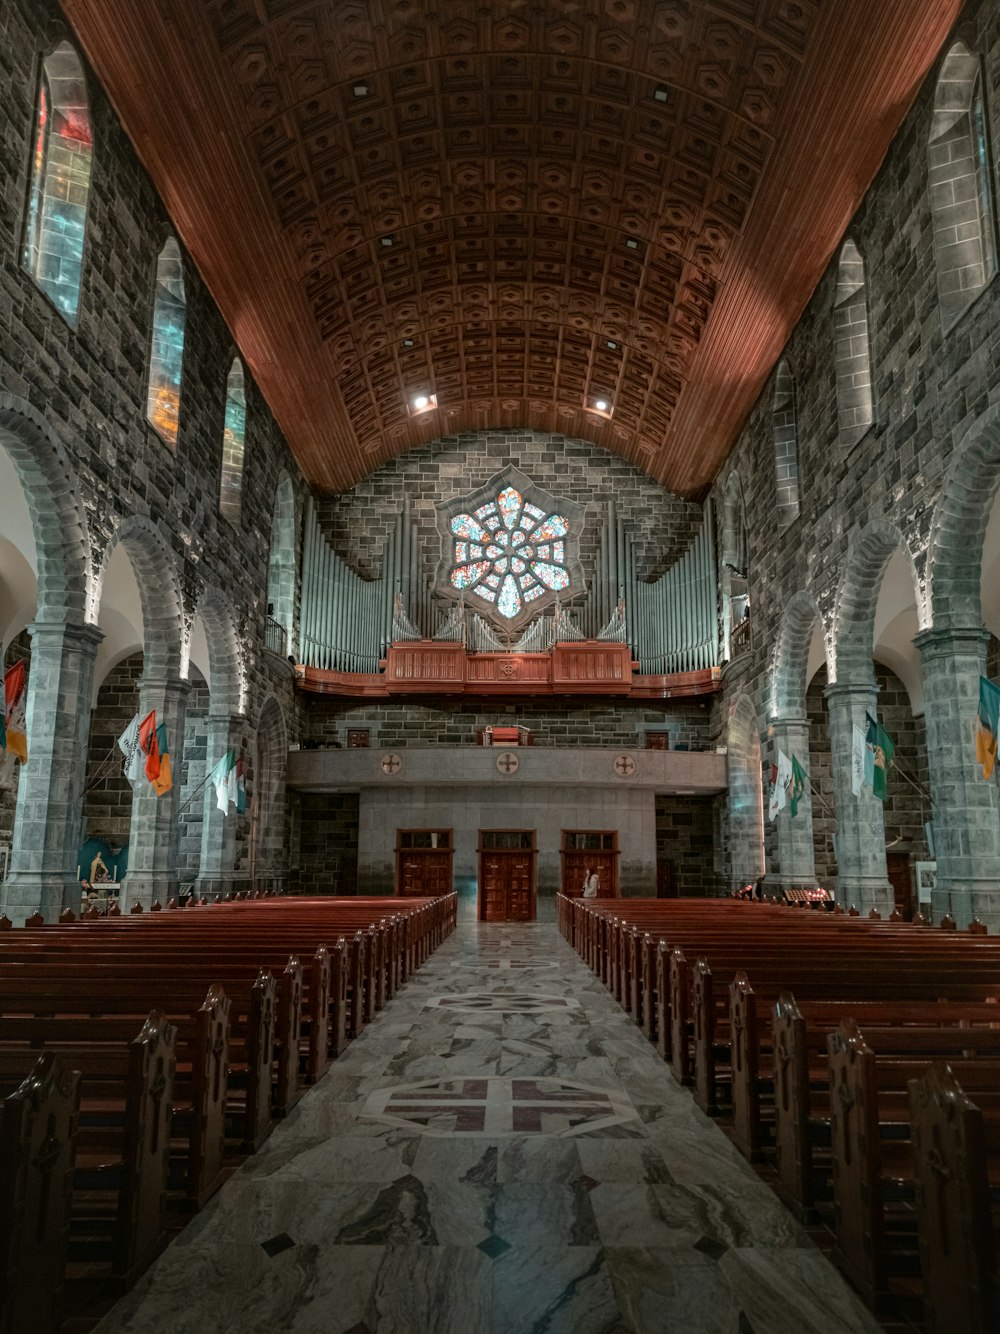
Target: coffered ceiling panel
518,209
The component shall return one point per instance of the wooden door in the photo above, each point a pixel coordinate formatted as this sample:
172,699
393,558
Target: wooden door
897,865
507,875
596,848
423,862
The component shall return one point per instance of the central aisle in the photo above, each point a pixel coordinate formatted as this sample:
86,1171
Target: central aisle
500,1151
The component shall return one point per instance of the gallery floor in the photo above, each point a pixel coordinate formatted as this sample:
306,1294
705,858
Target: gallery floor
500,1151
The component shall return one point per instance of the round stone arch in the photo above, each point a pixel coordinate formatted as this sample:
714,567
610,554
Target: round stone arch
869,553
58,518
270,765
958,526
225,655
790,658
746,811
159,593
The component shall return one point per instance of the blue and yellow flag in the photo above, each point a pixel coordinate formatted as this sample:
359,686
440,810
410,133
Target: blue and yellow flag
987,725
164,779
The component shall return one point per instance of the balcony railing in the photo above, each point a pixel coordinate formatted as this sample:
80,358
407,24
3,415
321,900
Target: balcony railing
275,637
741,637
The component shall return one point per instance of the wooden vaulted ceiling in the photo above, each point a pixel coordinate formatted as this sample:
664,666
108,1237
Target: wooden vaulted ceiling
520,206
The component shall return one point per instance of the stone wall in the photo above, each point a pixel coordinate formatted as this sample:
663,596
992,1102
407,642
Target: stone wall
660,525
107,802
191,778
455,722
328,843
685,839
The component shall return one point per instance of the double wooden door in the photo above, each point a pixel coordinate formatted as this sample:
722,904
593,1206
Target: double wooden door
423,862
596,848
507,875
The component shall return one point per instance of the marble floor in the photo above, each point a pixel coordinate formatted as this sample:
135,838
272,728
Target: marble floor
500,1151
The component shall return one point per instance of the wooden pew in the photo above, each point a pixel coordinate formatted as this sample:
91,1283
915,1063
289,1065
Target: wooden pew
38,1126
956,1147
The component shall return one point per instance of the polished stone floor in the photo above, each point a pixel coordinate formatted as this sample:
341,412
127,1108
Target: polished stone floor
500,1151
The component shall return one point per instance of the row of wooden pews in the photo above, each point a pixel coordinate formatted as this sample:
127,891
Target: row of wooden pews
140,1055
859,1059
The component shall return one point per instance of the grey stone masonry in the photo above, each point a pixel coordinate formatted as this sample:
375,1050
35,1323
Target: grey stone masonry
218,874
861,880
47,824
966,824
152,866
794,833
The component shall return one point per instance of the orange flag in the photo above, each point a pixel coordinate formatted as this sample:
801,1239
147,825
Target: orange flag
149,745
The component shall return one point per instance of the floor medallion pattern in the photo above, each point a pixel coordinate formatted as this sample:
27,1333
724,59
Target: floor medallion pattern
502,1002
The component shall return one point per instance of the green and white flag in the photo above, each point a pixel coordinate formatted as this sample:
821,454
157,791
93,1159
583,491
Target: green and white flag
797,787
219,778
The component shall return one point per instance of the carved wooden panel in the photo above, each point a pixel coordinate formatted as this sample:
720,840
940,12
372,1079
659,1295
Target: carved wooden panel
519,209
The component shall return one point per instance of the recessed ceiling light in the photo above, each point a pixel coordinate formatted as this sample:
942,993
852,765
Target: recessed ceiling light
661,95
385,240
408,342
360,90
632,243
421,401
601,404
612,345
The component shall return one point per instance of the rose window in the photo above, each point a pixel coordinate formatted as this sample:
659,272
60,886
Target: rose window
508,552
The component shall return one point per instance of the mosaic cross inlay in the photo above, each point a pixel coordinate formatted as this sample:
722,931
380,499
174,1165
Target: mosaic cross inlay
492,1002
497,1107
505,965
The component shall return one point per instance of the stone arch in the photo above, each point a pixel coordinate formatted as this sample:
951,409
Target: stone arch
857,595
958,525
282,560
58,519
268,809
225,654
791,654
159,592
746,811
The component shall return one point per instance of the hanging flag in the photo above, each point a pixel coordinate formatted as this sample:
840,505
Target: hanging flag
164,780
233,785
772,800
149,746
241,788
219,778
987,720
797,787
15,700
858,752
881,748
128,744
784,778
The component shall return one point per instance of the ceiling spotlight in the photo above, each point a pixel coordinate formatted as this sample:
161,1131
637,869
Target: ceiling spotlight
421,401
601,404
661,95
408,342
632,243
612,345
385,240
360,90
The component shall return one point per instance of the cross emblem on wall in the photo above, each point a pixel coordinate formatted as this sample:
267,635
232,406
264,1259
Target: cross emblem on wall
624,766
508,763
391,764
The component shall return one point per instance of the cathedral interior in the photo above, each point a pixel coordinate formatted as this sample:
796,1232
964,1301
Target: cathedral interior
498,520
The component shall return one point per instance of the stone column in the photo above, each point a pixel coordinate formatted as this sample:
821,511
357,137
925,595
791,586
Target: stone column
155,830
795,836
217,873
966,822
861,870
49,815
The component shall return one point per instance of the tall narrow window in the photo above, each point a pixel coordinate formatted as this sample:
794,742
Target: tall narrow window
61,163
961,192
166,358
233,445
855,411
786,446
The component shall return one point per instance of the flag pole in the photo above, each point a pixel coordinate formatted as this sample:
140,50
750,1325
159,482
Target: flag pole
102,769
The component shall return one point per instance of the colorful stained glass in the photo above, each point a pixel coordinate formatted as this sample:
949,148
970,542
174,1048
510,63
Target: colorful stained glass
233,445
60,182
464,525
552,576
166,356
509,601
483,554
464,576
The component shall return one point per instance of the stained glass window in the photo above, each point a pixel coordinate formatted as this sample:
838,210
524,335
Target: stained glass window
166,359
509,552
62,156
233,445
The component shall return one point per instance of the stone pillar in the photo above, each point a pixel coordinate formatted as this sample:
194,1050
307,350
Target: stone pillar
966,821
155,830
795,836
49,815
217,873
861,870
